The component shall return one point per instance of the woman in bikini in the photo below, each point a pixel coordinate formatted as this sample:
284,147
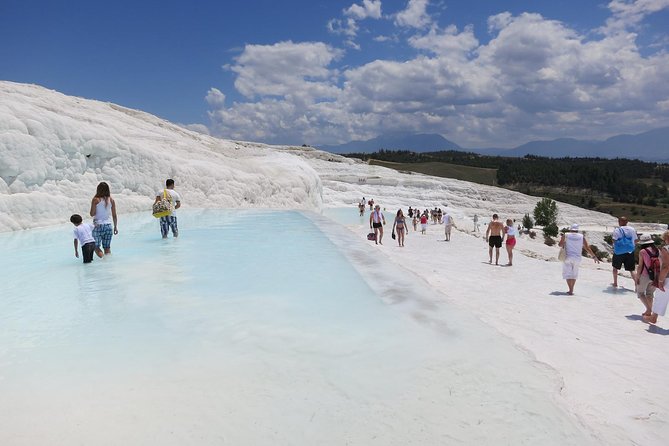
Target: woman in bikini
510,239
400,224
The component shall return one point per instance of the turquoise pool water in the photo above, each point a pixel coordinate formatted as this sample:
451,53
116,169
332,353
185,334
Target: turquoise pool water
253,327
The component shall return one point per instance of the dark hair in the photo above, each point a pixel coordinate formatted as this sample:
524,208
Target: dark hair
103,190
495,216
76,219
169,182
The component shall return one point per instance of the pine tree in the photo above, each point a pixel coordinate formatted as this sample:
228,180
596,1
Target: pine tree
545,212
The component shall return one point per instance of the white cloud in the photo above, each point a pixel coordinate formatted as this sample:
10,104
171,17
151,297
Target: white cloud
629,13
535,78
368,9
200,128
215,98
285,68
415,15
447,42
348,25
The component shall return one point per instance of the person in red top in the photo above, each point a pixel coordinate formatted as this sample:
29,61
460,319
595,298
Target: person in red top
644,285
423,223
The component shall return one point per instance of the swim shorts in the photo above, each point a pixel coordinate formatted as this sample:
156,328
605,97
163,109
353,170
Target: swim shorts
511,241
626,259
495,241
103,235
376,225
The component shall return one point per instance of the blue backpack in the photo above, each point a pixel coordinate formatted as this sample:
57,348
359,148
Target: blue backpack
624,244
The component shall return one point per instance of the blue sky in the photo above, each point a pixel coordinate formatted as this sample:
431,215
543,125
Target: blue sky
481,73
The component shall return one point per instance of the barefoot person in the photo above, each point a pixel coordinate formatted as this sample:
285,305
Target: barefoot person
574,243
103,211
401,225
448,223
510,232
169,222
644,284
661,299
494,235
376,221
624,241
83,234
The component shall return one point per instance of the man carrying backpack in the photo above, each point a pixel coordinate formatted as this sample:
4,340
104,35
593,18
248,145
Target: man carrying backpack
648,272
624,241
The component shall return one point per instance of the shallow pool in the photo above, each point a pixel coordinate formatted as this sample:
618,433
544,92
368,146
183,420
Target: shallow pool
254,327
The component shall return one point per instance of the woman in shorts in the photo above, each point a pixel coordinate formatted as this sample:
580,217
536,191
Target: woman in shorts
661,298
103,211
511,233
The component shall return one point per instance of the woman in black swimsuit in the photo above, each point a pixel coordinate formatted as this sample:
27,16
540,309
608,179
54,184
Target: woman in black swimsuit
400,224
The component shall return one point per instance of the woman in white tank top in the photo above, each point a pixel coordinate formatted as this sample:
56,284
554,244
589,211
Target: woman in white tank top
103,211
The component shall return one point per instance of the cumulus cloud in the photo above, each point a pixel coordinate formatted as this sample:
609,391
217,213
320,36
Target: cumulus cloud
285,68
215,98
447,42
348,25
368,9
200,128
629,13
415,15
534,78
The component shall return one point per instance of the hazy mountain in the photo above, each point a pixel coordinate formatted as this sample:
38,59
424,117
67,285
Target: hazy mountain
416,142
555,148
652,145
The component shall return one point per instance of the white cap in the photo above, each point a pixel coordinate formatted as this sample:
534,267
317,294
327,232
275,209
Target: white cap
574,227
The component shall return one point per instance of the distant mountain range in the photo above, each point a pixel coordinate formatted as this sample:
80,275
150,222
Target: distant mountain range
416,142
652,145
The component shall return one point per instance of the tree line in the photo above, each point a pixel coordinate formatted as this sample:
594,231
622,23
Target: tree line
623,180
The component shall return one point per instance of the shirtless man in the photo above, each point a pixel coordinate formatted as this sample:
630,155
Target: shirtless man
494,235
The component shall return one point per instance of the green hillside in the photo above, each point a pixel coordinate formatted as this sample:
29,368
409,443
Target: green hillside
478,175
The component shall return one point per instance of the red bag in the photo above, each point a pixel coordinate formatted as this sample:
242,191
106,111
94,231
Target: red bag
371,236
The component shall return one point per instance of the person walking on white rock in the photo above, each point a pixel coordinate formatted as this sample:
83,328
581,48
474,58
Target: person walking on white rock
449,224
376,222
511,233
494,235
643,281
661,299
574,243
401,225
624,241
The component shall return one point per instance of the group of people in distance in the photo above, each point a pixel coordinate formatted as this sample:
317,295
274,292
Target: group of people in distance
648,277
96,236
401,226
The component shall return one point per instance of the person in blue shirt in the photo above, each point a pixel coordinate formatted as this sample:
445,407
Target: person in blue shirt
624,242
